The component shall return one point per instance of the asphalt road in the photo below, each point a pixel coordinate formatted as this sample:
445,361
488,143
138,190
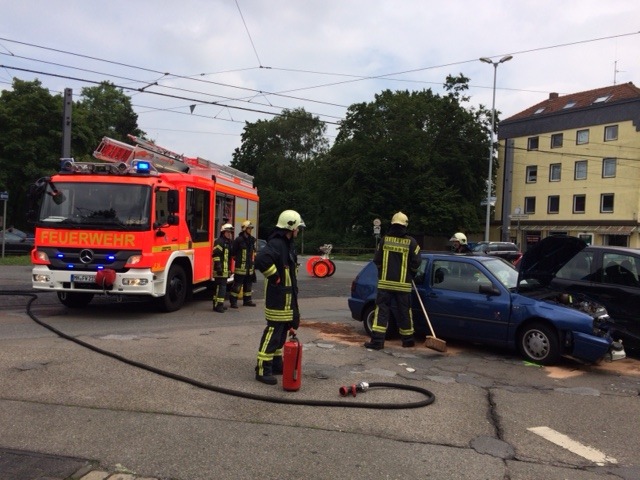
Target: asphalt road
494,416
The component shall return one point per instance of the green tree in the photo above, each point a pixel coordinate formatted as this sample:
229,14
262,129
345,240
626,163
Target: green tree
102,111
280,154
30,141
31,133
417,152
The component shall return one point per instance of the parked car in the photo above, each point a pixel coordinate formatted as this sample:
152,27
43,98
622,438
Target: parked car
20,233
607,275
15,244
484,299
507,250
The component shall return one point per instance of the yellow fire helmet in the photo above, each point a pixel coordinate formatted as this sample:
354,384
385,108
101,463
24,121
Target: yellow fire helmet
400,219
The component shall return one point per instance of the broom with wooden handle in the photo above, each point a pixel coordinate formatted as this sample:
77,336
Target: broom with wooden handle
432,341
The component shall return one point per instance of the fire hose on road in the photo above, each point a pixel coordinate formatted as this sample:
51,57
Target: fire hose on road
344,390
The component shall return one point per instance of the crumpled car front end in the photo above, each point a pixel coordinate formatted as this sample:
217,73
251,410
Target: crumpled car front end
586,326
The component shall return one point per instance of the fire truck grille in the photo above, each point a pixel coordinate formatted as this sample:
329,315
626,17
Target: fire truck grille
88,259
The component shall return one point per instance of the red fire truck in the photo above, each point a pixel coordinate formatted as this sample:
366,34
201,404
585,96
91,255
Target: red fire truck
141,222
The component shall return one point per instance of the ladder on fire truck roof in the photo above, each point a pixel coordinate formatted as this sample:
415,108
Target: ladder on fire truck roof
115,151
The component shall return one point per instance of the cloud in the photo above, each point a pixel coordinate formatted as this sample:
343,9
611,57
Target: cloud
323,55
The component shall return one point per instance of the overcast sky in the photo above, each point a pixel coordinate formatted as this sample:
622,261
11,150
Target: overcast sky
245,60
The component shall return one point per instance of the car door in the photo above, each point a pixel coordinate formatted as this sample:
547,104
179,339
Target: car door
455,306
619,290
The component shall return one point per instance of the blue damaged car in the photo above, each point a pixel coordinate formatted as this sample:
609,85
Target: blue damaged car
484,299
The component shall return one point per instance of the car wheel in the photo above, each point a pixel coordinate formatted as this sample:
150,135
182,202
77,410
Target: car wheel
367,321
176,292
75,299
539,343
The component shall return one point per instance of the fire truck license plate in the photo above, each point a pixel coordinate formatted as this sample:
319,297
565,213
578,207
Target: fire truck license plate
83,278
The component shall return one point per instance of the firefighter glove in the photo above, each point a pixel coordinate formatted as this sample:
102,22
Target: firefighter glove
274,279
295,323
253,277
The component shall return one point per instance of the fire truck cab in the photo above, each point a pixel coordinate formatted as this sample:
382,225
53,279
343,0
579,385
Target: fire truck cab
143,223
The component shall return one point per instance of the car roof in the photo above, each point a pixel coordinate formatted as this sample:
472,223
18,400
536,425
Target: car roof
611,248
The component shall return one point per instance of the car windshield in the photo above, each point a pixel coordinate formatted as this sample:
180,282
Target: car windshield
503,271
98,205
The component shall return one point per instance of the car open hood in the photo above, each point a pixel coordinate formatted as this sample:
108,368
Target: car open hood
542,261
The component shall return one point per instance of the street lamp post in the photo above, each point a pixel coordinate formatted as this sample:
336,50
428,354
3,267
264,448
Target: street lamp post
493,132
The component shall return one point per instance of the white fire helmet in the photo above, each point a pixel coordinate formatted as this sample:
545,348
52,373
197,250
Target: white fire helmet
400,219
227,227
290,220
246,224
459,237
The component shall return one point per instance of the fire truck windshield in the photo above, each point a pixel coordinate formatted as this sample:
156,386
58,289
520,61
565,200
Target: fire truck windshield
98,205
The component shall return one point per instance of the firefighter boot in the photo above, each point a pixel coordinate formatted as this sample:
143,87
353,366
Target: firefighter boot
233,301
408,342
219,307
248,302
276,366
374,344
266,376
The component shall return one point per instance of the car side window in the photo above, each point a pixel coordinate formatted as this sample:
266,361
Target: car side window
620,269
458,276
419,277
578,268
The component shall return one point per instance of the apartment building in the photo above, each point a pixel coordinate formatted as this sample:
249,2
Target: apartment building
571,165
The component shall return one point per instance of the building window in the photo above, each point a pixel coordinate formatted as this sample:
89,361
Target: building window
610,133
602,99
554,172
540,110
556,140
532,174
608,168
606,203
582,137
529,205
579,203
580,170
553,204
532,143
570,104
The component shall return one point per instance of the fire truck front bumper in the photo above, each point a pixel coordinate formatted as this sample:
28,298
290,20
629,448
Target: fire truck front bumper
133,282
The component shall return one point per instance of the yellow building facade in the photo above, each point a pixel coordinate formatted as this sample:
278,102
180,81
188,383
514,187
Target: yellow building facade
571,165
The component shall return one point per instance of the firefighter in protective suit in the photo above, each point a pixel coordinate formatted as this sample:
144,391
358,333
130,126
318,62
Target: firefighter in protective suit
222,266
243,251
398,259
278,262
459,241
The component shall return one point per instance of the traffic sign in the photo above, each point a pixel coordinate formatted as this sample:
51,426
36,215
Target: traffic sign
4,195
522,216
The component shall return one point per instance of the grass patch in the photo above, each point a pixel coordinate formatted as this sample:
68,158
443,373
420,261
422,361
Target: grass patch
21,260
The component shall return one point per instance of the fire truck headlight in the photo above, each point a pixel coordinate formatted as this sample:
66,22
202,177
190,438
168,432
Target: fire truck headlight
134,282
41,278
133,259
42,256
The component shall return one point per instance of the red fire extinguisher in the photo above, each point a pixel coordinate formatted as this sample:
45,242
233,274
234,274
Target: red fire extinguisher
292,363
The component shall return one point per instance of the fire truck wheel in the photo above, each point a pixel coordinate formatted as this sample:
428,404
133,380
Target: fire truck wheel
75,299
176,293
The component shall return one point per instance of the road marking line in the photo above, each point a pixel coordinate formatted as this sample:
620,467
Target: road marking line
590,453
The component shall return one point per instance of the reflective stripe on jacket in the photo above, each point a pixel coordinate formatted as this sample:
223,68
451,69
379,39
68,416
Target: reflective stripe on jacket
397,259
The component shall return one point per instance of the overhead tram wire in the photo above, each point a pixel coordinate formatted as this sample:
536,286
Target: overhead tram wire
225,98
282,94
151,92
